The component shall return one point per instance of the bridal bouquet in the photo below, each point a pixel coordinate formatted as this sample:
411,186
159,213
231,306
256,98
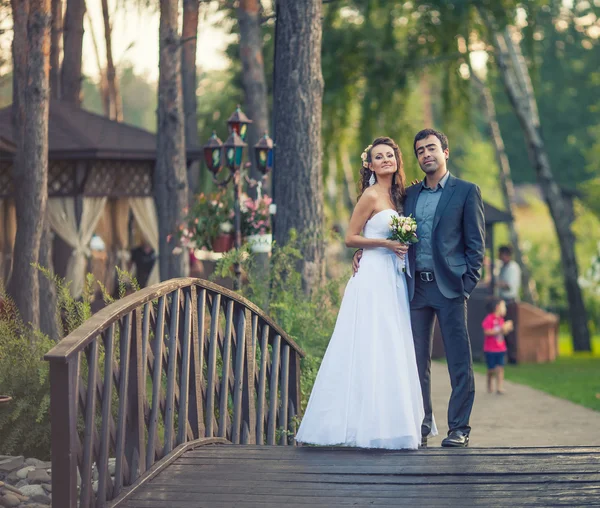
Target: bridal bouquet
403,230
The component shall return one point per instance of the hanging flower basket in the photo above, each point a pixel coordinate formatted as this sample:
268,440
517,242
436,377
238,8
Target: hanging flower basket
260,243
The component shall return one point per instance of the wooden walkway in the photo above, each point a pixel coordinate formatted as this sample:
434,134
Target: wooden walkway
220,475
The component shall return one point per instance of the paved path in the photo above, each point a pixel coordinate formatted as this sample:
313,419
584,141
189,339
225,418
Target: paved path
521,417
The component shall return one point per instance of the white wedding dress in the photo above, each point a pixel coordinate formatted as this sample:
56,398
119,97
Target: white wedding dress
367,392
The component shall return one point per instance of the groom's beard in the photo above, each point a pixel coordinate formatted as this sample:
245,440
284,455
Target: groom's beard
430,169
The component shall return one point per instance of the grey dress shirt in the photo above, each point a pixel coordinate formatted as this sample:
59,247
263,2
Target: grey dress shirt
427,203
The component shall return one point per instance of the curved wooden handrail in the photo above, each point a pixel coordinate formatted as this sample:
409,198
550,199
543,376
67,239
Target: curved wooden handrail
80,338
182,360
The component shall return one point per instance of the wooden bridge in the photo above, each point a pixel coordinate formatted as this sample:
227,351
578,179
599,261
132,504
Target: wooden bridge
185,395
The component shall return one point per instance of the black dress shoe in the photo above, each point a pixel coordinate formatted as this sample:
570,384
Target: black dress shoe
456,439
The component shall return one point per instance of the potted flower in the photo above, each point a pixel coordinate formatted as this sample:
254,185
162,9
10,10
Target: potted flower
208,223
256,223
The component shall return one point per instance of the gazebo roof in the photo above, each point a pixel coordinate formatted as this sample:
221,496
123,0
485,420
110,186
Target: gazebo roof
494,215
74,133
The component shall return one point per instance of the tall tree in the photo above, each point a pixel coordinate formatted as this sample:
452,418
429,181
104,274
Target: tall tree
191,12
170,179
297,101
31,47
517,83
506,185
115,106
73,50
253,71
55,47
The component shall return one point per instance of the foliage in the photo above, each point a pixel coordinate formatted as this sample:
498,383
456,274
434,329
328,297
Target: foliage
256,218
564,56
210,215
308,319
138,94
24,374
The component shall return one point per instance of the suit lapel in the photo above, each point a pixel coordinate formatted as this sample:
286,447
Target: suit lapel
444,200
411,199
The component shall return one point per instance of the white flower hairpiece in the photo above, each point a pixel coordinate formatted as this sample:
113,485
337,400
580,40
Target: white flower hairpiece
364,156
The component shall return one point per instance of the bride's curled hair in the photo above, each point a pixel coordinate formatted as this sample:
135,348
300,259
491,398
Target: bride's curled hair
398,189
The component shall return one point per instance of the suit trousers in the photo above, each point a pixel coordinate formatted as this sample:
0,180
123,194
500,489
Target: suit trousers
428,303
512,314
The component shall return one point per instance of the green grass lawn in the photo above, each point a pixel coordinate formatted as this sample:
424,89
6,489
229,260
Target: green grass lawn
573,376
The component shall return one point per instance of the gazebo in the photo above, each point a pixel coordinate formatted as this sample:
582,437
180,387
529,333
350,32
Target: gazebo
99,170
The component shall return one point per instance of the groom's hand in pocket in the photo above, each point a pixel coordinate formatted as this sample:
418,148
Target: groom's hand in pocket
356,261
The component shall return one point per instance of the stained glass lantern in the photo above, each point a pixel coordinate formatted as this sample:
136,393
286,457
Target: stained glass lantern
263,151
238,122
213,154
234,150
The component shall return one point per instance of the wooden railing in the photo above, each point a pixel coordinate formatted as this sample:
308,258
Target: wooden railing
175,362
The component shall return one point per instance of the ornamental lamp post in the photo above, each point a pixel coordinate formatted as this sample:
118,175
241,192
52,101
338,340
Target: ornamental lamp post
263,151
213,154
231,154
238,122
234,152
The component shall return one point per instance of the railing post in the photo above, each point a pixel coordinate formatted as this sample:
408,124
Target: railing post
248,387
63,408
136,394
295,391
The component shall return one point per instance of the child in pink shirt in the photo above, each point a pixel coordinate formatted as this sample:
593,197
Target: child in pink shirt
494,345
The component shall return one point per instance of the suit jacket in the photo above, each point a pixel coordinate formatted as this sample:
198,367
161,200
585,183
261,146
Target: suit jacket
458,237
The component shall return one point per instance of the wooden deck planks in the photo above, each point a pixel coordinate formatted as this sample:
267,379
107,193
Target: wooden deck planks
268,476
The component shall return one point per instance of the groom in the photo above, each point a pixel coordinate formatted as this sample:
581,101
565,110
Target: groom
445,268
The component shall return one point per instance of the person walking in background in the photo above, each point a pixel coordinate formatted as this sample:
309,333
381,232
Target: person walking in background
494,346
509,287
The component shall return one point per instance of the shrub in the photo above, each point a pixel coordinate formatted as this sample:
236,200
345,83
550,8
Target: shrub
24,374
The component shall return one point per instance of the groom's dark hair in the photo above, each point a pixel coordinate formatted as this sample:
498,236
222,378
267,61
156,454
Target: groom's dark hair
430,132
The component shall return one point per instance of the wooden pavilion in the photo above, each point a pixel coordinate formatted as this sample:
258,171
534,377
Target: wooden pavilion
100,176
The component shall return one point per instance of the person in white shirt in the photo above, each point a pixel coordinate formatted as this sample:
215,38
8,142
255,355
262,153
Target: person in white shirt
509,286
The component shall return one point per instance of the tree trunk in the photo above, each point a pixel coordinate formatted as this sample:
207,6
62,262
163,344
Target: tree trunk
298,186
351,193
519,89
253,74
191,10
49,317
115,108
30,171
73,48
506,184
56,47
170,173
104,94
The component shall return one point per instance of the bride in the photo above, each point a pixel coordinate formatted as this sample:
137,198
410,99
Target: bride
367,391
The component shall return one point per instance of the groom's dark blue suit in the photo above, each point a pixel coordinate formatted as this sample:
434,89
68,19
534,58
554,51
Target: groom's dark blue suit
457,251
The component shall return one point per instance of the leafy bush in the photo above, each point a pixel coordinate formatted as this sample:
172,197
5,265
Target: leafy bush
24,374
